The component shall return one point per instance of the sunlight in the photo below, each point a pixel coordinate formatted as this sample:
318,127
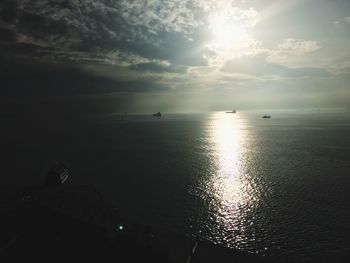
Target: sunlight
230,35
231,193
226,32
228,136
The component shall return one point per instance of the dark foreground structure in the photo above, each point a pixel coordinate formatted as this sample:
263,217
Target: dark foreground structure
75,224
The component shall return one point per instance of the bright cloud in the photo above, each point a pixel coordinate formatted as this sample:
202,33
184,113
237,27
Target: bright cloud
299,46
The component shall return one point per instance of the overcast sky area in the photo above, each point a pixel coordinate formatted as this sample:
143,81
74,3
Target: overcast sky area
175,56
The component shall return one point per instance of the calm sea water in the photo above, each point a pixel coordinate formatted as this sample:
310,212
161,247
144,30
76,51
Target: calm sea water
278,187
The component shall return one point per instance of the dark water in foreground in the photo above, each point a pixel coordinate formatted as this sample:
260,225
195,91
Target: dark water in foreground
279,186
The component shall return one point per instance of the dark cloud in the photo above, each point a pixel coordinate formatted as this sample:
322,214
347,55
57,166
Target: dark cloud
75,33
8,10
43,28
158,67
24,78
6,34
100,27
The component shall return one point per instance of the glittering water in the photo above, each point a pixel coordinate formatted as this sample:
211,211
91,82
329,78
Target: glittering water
229,193
276,186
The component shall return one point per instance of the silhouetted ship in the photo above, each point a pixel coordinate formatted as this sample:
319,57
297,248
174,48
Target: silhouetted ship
158,114
266,116
233,111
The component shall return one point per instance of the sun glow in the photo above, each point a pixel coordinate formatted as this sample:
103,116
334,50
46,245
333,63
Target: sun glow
226,29
230,34
225,32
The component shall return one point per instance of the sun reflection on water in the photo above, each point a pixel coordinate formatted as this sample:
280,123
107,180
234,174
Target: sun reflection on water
228,136
230,193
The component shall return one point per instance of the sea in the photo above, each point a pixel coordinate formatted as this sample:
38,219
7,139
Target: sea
278,187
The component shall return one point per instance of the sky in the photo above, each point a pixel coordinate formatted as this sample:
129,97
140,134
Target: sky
173,56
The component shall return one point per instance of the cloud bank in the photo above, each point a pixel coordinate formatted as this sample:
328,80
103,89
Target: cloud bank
62,47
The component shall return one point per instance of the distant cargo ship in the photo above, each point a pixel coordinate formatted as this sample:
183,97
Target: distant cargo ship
233,111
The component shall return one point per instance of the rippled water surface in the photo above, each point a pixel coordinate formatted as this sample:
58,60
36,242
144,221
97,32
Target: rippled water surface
278,186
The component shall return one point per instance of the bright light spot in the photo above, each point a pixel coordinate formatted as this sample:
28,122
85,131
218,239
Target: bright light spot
231,34
226,30
229,183
226,33
120,227
229,188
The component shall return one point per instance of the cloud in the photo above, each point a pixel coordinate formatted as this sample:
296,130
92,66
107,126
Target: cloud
8,10
295,53
152,29
101,46
158,66
6,35
344,21
258,65
155,29
150,37
27,79
298,46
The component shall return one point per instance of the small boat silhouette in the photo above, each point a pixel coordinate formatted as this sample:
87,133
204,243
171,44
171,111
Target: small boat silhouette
158,114
266,116
233,111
